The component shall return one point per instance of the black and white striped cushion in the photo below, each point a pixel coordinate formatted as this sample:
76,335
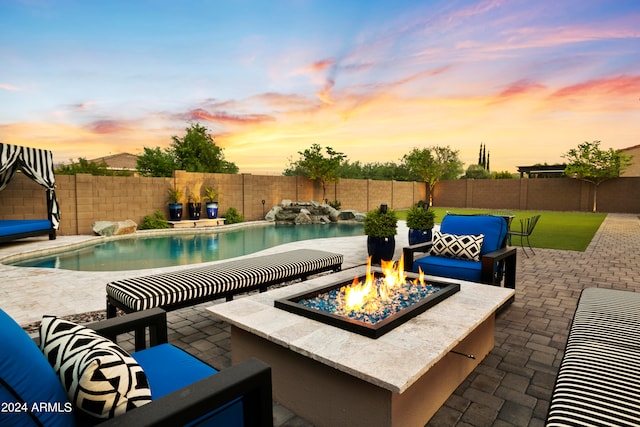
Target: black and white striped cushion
466,247
101,379
598,382
166,289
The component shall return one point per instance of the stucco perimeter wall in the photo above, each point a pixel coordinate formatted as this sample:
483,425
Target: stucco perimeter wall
553,194
85,199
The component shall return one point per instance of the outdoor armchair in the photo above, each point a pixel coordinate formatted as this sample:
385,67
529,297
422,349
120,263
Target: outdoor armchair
467,247
183,389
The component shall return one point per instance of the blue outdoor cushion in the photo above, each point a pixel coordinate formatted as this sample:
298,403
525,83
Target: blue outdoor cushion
9,227
169,368
493,227
462,269
26,378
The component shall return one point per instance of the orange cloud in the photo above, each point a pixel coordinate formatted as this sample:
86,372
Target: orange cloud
312,70
321,65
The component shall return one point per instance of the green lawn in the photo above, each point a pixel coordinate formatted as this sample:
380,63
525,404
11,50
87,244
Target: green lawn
555,230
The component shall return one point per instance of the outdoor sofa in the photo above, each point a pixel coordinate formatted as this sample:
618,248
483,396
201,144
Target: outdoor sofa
190,286
80,376
467,247
598,382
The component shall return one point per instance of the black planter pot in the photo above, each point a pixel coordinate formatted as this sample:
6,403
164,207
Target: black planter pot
381,248
175,211
419,236
194,210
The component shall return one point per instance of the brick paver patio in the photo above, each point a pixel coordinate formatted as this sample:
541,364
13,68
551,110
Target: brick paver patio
512,386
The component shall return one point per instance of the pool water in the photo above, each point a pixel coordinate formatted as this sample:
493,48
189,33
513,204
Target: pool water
181,249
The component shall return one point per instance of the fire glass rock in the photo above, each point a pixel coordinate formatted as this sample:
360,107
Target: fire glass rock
407,295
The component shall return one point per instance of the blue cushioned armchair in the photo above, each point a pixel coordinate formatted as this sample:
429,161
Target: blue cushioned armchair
184,389
496,260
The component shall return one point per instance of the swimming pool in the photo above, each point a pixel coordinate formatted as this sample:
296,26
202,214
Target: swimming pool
139,253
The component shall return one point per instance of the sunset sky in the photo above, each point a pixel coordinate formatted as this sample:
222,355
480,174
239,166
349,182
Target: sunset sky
372,79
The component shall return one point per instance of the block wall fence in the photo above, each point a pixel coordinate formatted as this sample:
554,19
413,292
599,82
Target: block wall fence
85,199
621,195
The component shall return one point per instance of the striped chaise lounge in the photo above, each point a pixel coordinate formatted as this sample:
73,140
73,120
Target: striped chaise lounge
598,382
222,280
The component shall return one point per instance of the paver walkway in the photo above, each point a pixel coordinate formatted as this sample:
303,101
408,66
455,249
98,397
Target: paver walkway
512,386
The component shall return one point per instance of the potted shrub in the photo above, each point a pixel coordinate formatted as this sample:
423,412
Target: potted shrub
211,202
420,220
193,205
174,198
380,226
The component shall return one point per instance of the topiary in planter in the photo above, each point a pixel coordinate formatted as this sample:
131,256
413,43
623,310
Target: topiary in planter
420,220
381,222
381,225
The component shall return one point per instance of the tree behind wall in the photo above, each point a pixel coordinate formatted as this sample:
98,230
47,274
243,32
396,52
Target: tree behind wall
476,172
156,162
433,164
315,166
589,163
196,151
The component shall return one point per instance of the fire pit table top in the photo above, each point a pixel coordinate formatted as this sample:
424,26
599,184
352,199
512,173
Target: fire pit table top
394,361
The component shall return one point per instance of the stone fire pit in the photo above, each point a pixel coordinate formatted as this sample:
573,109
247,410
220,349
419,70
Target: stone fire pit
330,376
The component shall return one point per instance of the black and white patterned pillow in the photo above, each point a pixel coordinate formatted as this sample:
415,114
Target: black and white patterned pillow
457,246
101,379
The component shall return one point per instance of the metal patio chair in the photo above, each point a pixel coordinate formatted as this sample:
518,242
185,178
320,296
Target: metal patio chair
526,229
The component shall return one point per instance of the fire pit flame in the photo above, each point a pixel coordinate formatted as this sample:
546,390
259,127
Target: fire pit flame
370,295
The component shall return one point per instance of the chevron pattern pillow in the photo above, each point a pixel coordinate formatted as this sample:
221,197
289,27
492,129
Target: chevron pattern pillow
465,247
101,379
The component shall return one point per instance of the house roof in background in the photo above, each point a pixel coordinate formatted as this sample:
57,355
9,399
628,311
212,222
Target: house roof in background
633,147
120,161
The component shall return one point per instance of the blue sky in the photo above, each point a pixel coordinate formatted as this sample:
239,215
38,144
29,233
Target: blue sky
372,79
